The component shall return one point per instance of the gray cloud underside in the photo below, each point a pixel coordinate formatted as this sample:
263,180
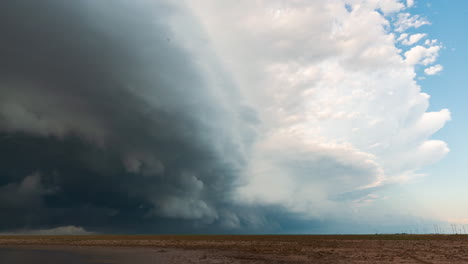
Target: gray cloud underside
107,122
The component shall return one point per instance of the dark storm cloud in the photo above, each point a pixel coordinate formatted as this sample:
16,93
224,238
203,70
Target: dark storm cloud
107,122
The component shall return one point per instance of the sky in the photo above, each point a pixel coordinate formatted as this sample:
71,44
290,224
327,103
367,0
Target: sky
207,116
443,189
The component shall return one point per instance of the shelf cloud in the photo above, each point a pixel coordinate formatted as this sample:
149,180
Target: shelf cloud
208,116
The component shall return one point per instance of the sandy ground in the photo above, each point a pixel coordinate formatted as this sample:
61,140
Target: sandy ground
234,249
107,255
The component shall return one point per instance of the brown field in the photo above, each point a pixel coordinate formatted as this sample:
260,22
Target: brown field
235,249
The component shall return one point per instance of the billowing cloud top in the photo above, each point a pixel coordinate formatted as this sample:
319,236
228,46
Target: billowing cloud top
208,116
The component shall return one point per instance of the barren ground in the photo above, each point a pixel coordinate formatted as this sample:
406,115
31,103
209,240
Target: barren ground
234,249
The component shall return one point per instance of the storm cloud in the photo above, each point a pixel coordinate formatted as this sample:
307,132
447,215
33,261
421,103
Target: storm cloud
108,122
203,116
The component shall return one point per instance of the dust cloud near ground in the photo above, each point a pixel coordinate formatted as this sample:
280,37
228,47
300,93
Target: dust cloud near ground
234,249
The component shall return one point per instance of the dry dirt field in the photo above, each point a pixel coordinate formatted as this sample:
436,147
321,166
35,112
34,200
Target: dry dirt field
234,249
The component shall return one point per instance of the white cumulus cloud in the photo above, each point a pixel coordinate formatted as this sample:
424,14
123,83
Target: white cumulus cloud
339,106
409,3
433,69
406,21
410,40
422,55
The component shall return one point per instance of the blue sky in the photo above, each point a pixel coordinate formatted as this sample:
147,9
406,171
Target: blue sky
441,196
444,189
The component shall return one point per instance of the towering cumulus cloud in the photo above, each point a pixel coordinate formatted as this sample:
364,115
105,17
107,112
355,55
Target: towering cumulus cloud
208,116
